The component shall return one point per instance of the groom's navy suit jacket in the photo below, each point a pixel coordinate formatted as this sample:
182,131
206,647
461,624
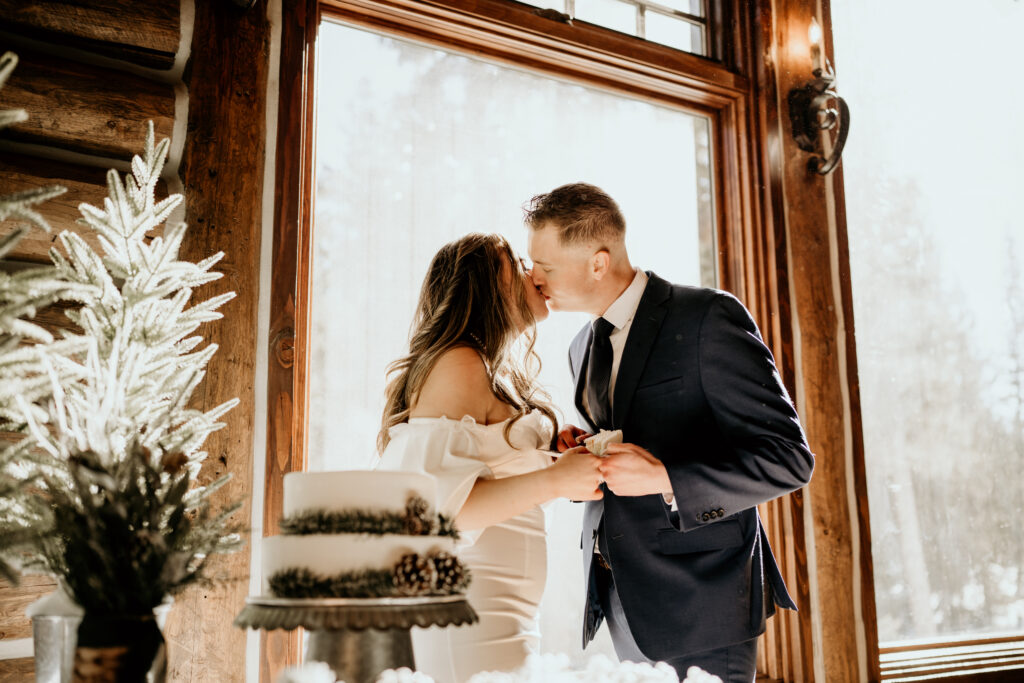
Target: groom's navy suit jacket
698,389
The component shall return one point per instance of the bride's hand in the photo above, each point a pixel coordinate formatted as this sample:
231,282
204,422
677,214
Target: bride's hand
569,436
577,475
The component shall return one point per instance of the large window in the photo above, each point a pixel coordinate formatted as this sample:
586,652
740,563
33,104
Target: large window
937,260
417,146
422,121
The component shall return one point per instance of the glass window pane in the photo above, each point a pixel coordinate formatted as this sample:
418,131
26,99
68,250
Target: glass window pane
619,16
546,4
937,262
672,31
694,7
417,146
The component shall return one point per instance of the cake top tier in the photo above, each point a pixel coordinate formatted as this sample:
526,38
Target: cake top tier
369,490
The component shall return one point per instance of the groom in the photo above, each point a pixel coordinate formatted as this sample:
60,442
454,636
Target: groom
675,555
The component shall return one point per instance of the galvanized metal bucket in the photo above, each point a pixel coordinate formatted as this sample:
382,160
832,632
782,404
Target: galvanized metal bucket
54,639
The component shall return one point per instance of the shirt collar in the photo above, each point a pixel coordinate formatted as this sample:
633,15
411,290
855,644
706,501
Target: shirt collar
624,308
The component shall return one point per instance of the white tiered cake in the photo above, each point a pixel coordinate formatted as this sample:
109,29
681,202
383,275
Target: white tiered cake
361,534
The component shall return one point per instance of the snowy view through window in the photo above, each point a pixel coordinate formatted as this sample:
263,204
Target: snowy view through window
932,181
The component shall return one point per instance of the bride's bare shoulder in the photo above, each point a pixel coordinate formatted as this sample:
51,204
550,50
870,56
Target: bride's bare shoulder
456,386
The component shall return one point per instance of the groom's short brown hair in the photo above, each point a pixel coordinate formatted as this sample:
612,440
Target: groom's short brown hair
581,214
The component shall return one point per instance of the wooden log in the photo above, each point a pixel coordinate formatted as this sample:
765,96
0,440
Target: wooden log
17,670
85,184
222,171
52,318
820,333
84,108
14,600
144,33
793,660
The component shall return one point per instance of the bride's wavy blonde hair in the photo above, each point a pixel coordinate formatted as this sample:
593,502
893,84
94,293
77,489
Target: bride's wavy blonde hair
466,302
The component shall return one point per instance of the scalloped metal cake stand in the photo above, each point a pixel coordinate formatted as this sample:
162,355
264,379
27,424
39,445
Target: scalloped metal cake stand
357,637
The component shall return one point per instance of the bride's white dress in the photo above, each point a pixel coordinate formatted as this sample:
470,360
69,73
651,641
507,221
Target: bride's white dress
508,561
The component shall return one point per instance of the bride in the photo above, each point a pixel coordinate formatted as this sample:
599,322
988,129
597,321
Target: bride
463,406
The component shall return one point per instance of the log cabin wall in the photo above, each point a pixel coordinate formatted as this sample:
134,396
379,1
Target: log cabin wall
90,76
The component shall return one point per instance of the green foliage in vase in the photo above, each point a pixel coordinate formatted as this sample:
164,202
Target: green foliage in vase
125,535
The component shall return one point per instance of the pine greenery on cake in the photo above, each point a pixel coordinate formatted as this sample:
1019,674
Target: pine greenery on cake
436,573
414,521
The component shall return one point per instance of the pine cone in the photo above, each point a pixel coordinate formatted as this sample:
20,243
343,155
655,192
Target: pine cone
451,576
417,522
414,575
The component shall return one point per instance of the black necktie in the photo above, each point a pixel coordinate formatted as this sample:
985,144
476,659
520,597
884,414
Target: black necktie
599,372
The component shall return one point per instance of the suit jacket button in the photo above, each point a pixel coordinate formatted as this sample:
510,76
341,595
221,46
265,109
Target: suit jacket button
721,512
705,517
714,514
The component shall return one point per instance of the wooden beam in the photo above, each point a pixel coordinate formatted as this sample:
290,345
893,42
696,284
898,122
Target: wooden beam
837,600
292,212
793,656
144,33
222,171
869,614
84,108
14,600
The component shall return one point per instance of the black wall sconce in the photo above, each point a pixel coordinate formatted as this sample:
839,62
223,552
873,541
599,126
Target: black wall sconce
810,113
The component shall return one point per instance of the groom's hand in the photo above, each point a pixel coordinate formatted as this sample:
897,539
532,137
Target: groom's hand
569,437
629,470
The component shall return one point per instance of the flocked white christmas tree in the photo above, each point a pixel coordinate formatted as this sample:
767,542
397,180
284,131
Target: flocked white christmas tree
103,492
142,361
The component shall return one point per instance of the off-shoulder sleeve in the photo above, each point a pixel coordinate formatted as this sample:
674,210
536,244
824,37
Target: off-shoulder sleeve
447,449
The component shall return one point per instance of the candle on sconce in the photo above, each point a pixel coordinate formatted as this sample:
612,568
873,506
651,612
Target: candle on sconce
814,37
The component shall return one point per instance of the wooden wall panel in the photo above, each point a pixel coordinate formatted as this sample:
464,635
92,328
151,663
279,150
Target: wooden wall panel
144,33
84,108
13,622
222,171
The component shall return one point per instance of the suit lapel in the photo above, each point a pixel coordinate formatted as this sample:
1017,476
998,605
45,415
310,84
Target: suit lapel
642,334
582,356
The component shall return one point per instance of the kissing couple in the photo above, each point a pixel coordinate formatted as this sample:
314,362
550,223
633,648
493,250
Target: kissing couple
674,554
